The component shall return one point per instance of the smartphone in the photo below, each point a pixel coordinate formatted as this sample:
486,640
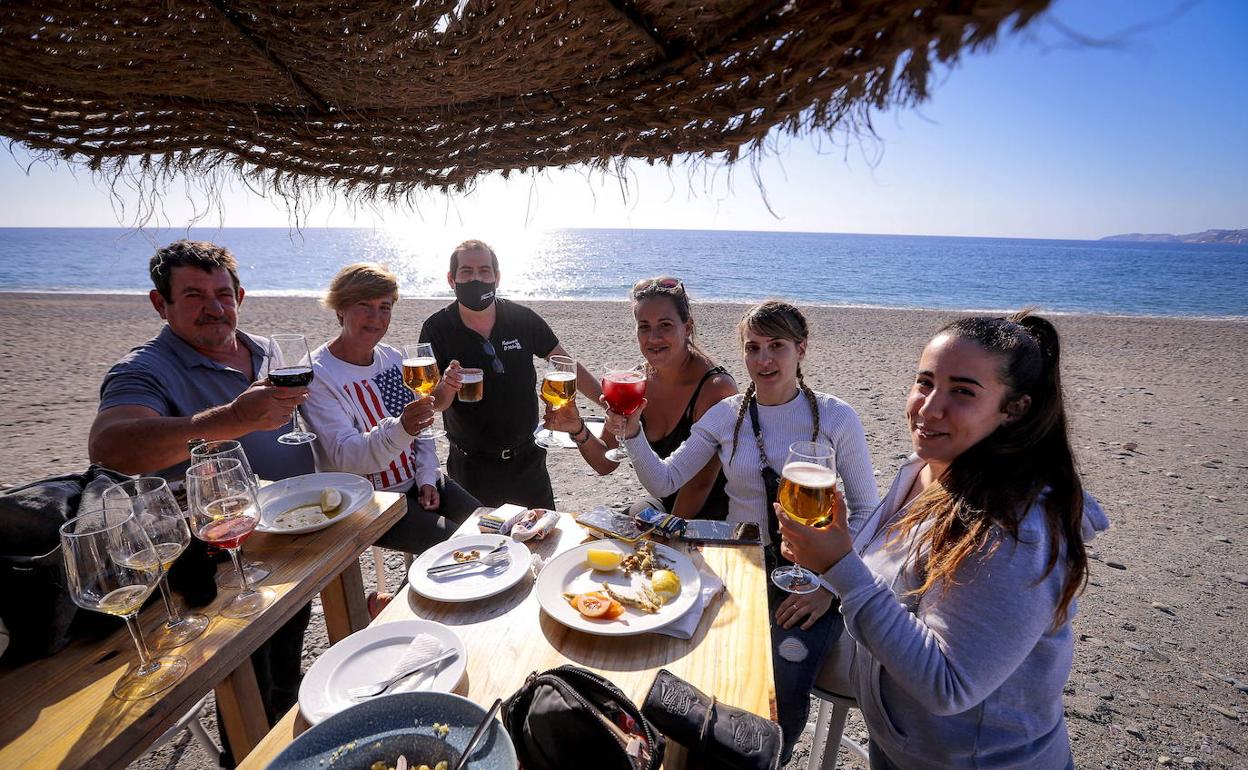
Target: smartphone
727,532
608,523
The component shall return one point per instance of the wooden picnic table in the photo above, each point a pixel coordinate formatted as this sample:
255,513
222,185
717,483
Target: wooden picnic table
59,712
508,636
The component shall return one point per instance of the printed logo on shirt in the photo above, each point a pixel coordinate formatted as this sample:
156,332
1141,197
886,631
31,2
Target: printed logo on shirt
512,345
384,396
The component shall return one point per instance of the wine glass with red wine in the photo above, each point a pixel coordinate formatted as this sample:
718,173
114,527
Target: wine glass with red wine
290,366
623,388
224,513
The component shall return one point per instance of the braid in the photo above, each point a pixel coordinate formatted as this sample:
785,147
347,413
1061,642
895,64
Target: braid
810,399
745,404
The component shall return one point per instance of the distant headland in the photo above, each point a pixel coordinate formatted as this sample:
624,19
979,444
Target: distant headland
1235,237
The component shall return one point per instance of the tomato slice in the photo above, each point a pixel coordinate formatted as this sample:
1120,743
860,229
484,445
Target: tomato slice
592,606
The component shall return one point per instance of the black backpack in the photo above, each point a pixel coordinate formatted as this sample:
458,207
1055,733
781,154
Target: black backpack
563,717
34,596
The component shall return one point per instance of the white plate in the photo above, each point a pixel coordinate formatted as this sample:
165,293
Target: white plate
595,425
568,573
304,493
470,583
369,656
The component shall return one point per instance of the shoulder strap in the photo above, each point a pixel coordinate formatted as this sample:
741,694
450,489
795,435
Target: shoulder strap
758,434
714,370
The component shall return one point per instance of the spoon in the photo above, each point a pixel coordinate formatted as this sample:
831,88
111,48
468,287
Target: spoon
477,734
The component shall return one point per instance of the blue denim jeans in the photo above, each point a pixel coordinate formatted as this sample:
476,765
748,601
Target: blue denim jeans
797,665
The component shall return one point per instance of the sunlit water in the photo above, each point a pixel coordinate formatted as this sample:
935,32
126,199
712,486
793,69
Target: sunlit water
813,268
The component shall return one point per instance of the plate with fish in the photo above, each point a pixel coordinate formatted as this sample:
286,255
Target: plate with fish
609,588
308,503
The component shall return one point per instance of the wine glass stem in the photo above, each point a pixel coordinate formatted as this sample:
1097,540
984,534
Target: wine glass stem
171,609
236,556
294,422
146,666
619,440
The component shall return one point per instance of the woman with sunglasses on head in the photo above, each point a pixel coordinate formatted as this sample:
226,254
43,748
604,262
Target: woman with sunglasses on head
682,383
745,431
366,421
958,591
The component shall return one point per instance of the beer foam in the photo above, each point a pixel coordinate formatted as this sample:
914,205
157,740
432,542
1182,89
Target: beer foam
560,376
474,376
417,362
809,475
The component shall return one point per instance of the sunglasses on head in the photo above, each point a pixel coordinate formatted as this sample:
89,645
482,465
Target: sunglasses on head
651,284
496,363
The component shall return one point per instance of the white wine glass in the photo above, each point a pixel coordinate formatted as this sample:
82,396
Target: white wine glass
255,571
807,495
289,365
421,375
158,512
224,513
558,390
110,567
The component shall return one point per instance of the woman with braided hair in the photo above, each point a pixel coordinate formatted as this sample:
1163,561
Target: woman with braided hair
755,429
958,591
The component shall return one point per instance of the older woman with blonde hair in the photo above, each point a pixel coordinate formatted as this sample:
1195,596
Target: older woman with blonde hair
366,421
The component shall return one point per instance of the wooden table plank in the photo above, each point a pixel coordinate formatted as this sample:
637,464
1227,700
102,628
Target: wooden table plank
508,636
59,711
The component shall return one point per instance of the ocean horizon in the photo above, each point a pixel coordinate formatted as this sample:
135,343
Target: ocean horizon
828,269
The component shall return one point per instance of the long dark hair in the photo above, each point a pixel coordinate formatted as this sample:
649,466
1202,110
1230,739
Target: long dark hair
989,488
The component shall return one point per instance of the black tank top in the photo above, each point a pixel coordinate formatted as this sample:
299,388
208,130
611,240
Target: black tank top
716,506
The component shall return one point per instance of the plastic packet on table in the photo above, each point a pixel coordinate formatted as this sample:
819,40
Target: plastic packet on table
534,524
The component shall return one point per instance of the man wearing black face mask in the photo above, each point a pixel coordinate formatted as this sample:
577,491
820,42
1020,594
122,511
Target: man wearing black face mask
492,451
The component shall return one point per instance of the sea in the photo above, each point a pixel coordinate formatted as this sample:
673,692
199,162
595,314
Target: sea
1100,277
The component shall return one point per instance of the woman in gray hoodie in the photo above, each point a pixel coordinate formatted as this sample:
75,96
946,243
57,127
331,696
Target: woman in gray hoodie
958,591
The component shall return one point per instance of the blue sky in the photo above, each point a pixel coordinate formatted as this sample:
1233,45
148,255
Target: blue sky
1042,137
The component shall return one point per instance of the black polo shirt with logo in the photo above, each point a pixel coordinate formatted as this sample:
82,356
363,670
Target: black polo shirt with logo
506,417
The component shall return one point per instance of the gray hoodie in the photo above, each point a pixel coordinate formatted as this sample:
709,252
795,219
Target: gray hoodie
972,677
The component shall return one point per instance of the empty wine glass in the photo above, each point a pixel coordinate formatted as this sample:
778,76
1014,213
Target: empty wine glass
255,571
112,567
224,512
421,375
289,365
157,511
807,495
558,390
623,388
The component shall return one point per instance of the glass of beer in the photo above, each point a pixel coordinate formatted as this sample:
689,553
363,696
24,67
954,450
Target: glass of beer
289,365
421,375
808,495
558,390
624,388
474,385
111,567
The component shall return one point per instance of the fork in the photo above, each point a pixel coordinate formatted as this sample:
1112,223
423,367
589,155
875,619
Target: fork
377,688
493,557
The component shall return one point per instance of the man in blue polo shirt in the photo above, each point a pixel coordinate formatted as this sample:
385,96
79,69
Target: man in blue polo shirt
198,378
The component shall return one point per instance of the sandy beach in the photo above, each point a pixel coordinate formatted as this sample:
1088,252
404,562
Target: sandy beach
1158,421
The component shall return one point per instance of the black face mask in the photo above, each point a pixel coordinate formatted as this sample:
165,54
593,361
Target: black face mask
475,295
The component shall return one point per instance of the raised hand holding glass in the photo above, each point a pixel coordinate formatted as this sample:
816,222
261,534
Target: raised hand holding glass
807,495
289,365
558,390
421,375
623,388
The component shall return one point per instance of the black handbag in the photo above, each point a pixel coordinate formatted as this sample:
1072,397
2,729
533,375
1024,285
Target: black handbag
722,737
34,595
568,717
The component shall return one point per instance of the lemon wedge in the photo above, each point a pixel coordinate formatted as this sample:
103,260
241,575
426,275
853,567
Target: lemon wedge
603,559
331,501
666,584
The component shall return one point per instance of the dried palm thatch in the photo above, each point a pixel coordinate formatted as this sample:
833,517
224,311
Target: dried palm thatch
388,97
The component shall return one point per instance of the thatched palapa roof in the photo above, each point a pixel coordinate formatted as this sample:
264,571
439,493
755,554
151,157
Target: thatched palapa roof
386,96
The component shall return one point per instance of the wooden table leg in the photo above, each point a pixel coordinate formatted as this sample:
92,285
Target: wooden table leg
346,610
242,710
